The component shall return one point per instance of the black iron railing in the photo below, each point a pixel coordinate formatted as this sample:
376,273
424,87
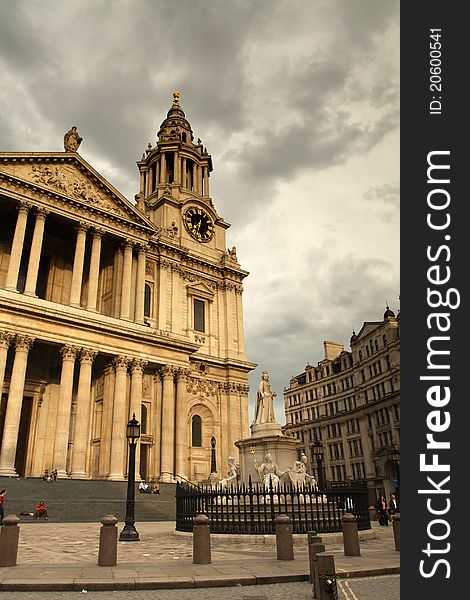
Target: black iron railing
252,509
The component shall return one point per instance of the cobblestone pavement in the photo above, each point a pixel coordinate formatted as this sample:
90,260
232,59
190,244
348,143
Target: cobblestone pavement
78,543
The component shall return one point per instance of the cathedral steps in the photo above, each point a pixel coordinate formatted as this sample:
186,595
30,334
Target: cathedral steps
81,501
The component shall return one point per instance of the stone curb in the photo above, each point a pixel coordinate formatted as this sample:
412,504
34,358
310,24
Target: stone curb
159,584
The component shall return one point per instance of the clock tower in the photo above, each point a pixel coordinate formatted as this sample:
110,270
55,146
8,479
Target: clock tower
198,289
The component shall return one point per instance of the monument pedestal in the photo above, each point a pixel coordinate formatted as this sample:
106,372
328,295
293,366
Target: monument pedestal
266,438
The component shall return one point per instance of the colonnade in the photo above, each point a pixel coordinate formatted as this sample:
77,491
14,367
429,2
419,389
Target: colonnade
123,266
174,425
70,355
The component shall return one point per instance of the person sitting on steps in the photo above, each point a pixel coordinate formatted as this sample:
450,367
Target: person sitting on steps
41,511
144,487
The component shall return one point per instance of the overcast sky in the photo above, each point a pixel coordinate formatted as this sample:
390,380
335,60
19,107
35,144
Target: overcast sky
297,101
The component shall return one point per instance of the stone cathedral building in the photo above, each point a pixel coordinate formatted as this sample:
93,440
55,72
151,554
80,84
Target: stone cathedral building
109,308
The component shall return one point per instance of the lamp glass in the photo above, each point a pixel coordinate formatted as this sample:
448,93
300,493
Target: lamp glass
133,429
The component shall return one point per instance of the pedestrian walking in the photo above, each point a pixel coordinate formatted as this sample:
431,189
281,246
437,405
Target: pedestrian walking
393,505
382,511
2,499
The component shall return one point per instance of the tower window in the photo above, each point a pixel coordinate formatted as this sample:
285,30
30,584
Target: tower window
144,419
183,135
199,316
147,300
196,431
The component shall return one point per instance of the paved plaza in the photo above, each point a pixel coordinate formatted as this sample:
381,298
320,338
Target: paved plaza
63,556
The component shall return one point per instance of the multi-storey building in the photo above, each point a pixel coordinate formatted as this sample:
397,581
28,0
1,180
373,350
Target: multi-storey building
350,402
109,308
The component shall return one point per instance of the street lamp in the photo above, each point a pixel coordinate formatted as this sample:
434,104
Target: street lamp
318,453
395,458
213,460
130,533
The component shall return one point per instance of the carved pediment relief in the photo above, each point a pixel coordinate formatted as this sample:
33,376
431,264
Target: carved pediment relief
69,180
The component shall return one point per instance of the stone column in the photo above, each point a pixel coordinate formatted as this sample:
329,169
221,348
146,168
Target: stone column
126,282
35,254
77,273
176,167
82,415
181,423
163,168
69,354
107,419
137,371
142,181
199,180
205,181
117,281
157,173
194,177
5,340
94,274
140,284
11,426
17,247
184,183
118,433
168,422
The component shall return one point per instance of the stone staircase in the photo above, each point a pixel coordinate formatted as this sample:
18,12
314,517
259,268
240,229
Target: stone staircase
81,501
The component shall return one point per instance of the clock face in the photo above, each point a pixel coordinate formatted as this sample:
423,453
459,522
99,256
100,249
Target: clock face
199,224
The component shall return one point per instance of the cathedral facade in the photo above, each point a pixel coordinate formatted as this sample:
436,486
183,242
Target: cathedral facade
109,308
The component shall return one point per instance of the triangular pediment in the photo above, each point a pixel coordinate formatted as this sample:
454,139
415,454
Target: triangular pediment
367,328
71,176
200,289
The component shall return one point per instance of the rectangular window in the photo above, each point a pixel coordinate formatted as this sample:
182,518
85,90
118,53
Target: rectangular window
199,320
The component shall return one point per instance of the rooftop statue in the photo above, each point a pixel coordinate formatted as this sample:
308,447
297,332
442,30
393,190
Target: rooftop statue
72,140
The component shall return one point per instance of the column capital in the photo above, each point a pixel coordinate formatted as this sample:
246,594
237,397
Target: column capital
138,364
127,243
81,226
6,338
141,247
166,372
97,232
121,363
109,368
87,356
182,373
69,352
24,342
41,212
24,207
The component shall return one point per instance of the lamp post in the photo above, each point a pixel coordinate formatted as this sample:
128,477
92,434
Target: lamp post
395,457
318,452
213,460
130,533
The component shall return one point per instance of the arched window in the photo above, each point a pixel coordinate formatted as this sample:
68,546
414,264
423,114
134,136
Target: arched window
196,431
147,300
144,419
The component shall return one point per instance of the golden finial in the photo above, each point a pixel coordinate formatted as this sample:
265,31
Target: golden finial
176,98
